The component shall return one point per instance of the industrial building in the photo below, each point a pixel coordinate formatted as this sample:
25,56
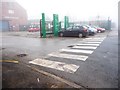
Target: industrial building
12,16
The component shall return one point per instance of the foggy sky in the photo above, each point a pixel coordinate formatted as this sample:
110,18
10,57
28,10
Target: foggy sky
75,9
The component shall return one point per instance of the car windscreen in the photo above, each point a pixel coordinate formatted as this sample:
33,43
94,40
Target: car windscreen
76,27
85,27
69,28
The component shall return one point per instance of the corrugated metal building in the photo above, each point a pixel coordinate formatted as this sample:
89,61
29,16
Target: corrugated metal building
12,16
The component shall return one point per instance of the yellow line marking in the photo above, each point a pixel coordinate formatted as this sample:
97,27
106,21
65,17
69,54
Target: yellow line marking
11,61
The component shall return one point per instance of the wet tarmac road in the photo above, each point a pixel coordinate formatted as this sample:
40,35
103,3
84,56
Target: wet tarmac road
98,71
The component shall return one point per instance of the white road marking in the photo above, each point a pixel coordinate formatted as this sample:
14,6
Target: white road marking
84,47
87,44
97,38
70,68
94,39
93,42
76,51
72,84
69,56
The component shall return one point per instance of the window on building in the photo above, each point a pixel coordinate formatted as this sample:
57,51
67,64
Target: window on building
11,11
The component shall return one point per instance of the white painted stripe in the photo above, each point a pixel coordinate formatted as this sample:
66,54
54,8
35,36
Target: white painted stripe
93,39
84,47
76,51
93,42
69,56
71,68
96,38
87,44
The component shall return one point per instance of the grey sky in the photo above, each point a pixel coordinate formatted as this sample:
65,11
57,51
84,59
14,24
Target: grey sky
75,9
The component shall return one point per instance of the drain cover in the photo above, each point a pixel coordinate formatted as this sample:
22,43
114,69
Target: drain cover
22,55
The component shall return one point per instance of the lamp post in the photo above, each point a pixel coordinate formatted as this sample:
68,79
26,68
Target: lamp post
98,20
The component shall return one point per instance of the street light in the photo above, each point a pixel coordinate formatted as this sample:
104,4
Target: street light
98,20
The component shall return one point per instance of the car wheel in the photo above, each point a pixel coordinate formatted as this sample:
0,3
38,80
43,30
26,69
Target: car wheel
80,35
93,34
61,34
99,31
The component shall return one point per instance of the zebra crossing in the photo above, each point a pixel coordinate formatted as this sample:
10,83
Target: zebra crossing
69,56
94,42
71,68
86,44
76,51
80,50
83,47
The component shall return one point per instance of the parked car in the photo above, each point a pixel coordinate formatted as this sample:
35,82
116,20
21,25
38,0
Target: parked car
79,31
33,29
92,31
99,29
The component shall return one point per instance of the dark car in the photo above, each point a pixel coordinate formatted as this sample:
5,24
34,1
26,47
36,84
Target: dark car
79,31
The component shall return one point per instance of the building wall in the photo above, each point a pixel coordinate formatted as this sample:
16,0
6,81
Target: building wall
14,14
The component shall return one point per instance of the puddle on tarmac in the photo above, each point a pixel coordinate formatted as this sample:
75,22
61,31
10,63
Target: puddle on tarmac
71,46
22,55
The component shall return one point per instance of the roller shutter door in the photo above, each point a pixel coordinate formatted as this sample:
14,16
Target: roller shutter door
4,26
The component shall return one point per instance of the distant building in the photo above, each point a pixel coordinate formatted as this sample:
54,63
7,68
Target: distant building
12,16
